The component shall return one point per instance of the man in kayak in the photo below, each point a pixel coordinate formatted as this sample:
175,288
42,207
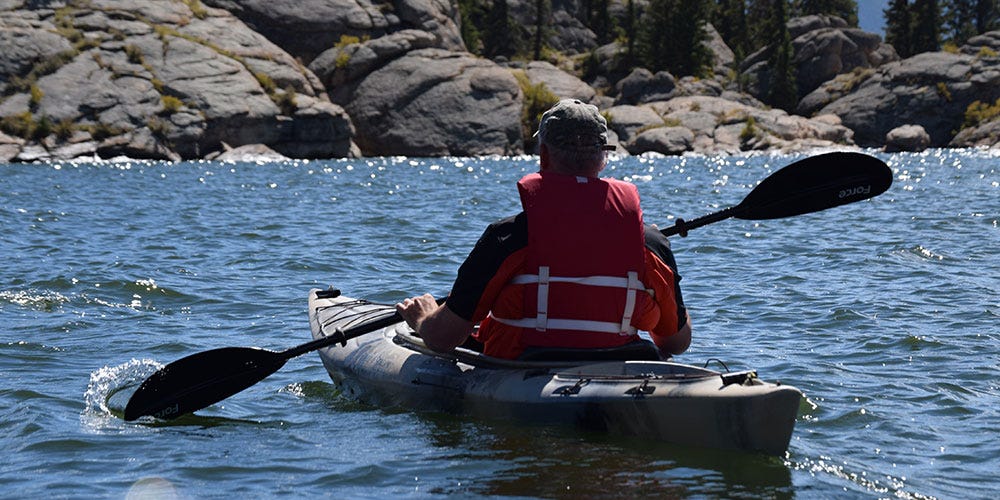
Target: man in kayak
576,269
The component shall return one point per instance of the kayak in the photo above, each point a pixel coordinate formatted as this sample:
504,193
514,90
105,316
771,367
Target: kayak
623,391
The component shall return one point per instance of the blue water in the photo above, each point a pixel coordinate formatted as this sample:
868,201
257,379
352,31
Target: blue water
885,313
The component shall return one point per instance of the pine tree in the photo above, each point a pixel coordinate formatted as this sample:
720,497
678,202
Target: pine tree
844,9
542,12
730,20
630,33
899,27
926,26
601,23
783,90
692,18
987,16
672,37
473,15
960,20
499,34
758,20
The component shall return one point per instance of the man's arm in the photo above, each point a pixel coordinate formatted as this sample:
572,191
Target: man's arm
676,343
439,327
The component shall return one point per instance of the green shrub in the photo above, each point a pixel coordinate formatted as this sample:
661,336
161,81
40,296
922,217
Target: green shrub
134,54
265,82
43,127
749,130
607,117
64,128
286,101
162,32
171,104
25,126
537,99
44,67
197,8
979,112
100,130
158,126
651,126
346,40
986,53
943,91
65,26
19,125
36,96
591,65
343,58
850,81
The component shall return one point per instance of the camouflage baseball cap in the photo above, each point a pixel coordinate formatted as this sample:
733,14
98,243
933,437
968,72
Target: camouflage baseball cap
574,125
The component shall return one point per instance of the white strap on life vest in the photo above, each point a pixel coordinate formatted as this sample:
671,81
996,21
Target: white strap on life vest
542,322
633,285
570,324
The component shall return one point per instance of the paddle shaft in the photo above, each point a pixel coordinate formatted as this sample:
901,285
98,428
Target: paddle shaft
682,226
341,336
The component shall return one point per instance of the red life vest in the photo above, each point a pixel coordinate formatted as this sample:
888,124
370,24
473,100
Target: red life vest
584,267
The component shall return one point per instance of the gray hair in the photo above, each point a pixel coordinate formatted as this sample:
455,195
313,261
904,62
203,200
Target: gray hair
575,161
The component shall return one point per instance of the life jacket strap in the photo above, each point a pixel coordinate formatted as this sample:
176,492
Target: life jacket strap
569,324
541,321
633,285
608,281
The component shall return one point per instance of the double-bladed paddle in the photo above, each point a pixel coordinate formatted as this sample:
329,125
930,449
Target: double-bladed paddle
808,185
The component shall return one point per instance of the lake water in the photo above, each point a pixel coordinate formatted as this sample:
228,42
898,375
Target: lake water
885,313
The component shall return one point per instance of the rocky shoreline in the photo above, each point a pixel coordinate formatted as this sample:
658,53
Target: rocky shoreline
190,79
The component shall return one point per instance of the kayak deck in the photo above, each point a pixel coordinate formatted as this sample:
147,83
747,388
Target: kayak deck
660,400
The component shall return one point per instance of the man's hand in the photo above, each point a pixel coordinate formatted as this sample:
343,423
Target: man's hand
415,310
441,329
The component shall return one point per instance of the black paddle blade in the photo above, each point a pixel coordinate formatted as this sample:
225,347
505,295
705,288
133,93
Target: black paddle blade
814,184
192,383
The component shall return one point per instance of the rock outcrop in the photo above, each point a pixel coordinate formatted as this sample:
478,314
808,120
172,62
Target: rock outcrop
643,86
10,147
559,82
306,28
434,102
824,47
710,125
932,89
162,79
907,138
256,153
981,135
